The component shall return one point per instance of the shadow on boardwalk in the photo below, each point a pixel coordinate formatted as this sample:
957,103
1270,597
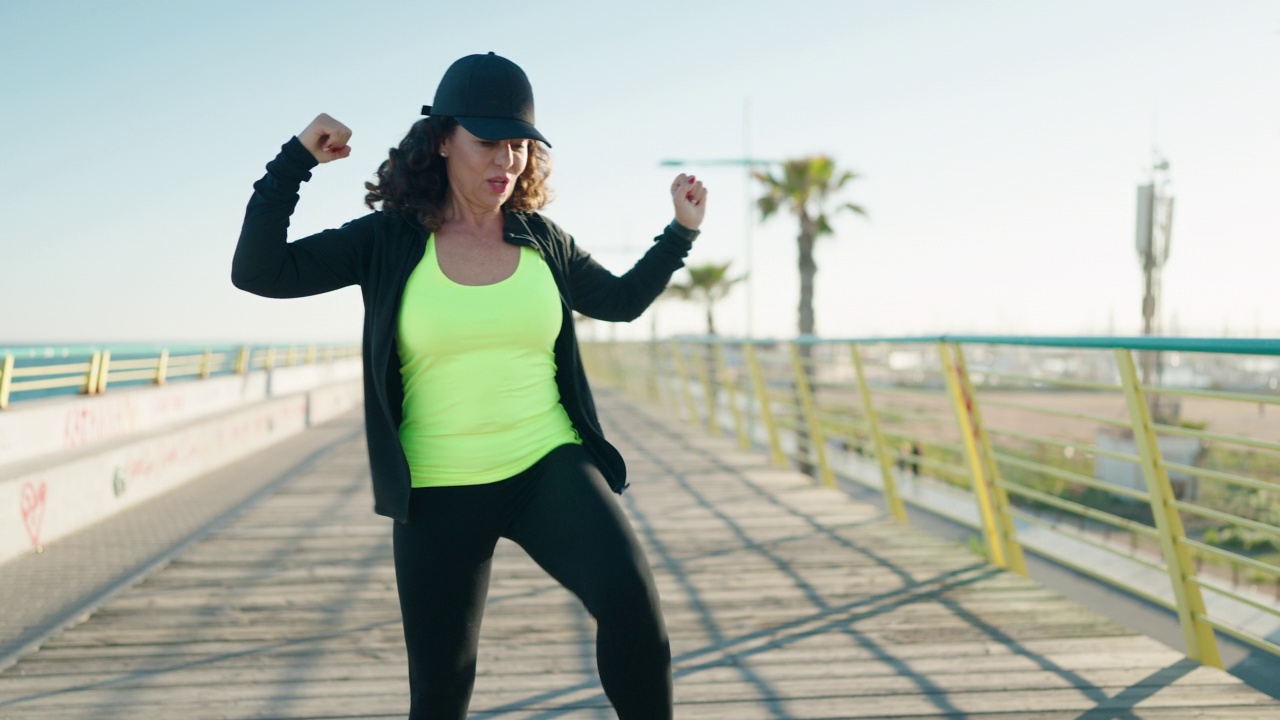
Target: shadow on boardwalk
783,600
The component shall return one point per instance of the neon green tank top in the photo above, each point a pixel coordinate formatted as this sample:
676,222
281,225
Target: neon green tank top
478,365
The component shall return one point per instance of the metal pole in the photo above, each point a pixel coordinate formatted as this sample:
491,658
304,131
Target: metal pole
684,383
995,491
91,379
708,385
722,369
162,366
817,441
6,380
766,412
977,468
746,153
104,372
891,497
1201,644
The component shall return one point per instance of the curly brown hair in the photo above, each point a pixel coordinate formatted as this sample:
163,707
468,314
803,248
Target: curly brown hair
413,179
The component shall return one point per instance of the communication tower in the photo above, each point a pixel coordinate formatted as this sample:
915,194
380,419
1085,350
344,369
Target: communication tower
1154,233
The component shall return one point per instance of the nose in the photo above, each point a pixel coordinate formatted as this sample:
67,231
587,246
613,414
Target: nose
505,156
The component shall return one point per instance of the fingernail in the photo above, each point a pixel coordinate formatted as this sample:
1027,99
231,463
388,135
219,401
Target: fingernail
688,196
691,178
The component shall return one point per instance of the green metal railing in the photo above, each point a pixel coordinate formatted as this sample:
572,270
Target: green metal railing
1180,476
93,374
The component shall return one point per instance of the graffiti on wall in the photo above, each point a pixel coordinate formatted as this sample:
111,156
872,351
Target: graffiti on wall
168,457
185,448
92,421
32,506
87,423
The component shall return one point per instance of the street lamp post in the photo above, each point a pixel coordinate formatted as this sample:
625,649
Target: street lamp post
749,164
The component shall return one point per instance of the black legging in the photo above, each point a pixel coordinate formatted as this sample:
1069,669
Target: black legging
562,512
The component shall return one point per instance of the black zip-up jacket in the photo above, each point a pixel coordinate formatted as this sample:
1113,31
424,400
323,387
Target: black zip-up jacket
380,250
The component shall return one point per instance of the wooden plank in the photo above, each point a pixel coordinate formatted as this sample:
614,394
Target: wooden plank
783,599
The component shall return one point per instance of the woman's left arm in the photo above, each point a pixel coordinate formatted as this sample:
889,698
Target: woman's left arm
599,294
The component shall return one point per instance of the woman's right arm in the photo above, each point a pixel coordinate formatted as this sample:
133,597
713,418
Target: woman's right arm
265,262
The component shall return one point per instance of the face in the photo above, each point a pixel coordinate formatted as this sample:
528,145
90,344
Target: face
482,172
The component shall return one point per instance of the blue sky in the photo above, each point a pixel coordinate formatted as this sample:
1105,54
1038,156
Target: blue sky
999,146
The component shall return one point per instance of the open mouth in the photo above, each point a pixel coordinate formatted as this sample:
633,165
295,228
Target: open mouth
498,185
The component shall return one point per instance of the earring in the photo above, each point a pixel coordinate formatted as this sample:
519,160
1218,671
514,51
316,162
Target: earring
444,154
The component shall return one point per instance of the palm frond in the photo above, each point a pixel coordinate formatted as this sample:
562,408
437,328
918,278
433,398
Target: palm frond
824,226
845,177
707,282
768,205
854,209
680,291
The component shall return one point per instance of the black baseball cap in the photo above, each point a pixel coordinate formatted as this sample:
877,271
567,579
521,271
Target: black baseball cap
490,96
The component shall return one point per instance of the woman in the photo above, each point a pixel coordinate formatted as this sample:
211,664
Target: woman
479,420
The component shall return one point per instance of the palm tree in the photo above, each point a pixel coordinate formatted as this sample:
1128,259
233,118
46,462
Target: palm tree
805,187
708,284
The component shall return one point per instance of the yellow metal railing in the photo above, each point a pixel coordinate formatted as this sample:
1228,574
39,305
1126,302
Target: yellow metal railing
1179,476
92,375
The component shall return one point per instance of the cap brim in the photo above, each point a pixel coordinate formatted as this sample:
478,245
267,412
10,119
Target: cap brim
501,129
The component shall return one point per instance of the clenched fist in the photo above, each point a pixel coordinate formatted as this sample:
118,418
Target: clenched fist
690,199
326,138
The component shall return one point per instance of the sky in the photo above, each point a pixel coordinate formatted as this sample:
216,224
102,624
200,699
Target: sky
998,147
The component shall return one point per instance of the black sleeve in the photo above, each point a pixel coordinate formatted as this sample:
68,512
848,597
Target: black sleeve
600,294
267,264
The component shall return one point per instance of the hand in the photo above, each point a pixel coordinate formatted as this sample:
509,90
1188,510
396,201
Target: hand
326,139
690,199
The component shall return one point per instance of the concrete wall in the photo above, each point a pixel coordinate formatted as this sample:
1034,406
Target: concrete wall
67,463
60,424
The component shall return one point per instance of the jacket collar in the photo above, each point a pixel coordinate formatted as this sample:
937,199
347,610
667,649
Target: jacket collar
515,228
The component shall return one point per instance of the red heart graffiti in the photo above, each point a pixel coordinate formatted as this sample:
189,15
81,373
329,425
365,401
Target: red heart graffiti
33,510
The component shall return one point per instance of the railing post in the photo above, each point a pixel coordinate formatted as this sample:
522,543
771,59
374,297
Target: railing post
104,371
602,364
1201,644
311,355
162,366
292,357
269,362
962,403
6,380
612,366
617,367
999,497
653,378
670,391
891,497
722,368
816,439
684,383
91,378
766,412
626,380
206,363
242,360
593,361
708,388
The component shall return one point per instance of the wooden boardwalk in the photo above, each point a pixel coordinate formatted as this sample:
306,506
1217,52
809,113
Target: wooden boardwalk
783,599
